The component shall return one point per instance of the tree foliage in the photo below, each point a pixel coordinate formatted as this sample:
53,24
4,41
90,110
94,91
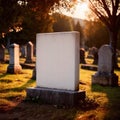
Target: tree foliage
78,27
95,34
9,14
108,11
31,15
62,23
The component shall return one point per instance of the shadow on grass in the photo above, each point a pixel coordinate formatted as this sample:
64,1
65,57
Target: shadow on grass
3,74
17,89
113,106
4,80
39,111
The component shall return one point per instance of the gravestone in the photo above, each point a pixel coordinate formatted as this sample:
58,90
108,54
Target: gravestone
29,57
104,76
57,67
14,66
90,54
2,53
82,56
118,53
95,55
95,58
23,51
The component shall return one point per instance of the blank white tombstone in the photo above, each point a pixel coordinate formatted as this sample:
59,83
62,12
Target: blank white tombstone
57,62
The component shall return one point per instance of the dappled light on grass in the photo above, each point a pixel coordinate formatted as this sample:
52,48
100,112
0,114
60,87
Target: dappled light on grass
106,97
3,69
13,82
100,104
13,87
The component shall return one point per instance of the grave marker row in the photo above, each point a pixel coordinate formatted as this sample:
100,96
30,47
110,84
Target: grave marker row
14,53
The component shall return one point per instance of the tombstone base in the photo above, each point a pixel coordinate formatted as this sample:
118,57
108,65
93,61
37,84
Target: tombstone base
89,67
14,69
29,61
56,96
106,80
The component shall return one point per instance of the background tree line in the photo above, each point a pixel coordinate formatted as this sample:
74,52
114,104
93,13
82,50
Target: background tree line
20,20
92,33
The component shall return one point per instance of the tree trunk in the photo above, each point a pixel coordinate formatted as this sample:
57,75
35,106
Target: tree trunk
113,44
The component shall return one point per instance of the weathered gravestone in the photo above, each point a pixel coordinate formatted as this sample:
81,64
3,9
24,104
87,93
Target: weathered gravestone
82,56
23,51
118,53
14,66
57,68
104,76
29,57
95,55
2,53
90,53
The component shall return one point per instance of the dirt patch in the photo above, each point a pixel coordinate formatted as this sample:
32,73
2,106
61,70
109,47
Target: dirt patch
26,110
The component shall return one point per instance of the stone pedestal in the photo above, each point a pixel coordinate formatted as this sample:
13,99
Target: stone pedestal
14,66
57,68
56,96
14,69
106,80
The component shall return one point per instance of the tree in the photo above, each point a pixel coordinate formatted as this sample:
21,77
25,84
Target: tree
62,23
78,27
9,14
38,16
95,33
108,11
31,15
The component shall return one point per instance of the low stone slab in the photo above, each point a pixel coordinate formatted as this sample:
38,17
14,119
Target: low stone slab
89,67
105,80
14,69
56,96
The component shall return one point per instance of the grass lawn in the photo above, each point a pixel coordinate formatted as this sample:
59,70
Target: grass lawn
102,103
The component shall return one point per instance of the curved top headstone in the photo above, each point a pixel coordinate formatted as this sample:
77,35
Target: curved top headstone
105,60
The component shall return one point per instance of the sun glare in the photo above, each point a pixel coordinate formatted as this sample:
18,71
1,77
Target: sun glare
81,11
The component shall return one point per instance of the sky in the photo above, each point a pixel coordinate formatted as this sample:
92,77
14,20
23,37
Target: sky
81,11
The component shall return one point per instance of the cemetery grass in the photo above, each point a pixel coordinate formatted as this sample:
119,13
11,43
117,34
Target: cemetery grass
101,103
